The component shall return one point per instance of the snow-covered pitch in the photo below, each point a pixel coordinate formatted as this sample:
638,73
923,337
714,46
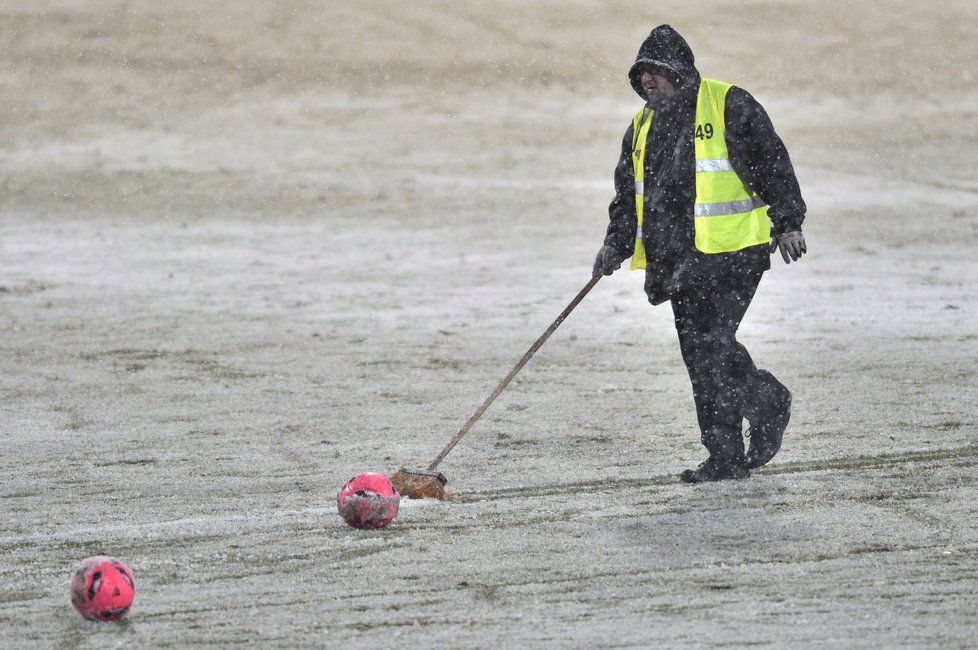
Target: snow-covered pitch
250,249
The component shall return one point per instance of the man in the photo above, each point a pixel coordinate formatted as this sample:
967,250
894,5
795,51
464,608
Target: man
705,193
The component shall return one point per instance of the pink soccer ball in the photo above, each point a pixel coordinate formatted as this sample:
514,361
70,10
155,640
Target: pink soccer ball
102,589
368,501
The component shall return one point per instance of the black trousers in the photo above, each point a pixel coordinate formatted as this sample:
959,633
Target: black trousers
727,386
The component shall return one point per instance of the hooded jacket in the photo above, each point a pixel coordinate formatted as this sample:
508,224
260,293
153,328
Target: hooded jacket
756,153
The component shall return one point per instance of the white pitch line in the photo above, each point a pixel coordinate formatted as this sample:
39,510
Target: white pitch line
199,524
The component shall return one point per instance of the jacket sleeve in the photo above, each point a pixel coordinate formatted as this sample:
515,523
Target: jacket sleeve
761,160
623,222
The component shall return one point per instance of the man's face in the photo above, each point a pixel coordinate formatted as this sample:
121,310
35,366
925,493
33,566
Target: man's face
658,89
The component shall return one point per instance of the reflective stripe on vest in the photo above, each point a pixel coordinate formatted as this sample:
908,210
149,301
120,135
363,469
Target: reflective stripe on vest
730,207
727,215
713,165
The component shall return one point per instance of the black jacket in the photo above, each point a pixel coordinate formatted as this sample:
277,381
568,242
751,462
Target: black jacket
756,153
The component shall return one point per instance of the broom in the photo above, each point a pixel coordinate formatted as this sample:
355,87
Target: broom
430,483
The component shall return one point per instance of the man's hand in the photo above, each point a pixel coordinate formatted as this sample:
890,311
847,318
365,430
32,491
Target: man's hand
792,245
607,262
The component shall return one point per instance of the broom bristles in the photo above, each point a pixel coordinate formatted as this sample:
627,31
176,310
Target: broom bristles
420,485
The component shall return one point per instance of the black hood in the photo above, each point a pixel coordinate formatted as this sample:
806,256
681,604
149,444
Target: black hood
665,48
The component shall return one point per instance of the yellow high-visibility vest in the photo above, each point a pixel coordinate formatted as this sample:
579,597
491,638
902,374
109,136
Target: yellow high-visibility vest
727,215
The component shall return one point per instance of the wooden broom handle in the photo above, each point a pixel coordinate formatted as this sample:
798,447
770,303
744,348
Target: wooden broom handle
512,373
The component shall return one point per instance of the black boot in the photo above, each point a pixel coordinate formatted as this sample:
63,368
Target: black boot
715,470
767,431
726,461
